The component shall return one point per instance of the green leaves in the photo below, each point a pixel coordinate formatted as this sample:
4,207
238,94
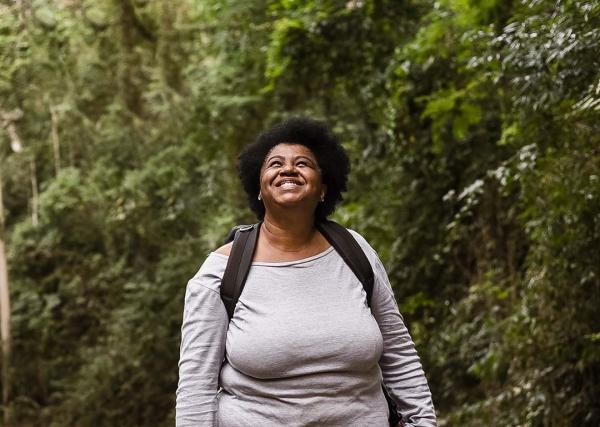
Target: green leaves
284,32
473,131
450,107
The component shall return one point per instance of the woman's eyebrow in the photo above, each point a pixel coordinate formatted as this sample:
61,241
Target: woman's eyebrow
276,156
280,157
304,157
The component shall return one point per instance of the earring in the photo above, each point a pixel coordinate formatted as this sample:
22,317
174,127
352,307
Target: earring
323,198
259,196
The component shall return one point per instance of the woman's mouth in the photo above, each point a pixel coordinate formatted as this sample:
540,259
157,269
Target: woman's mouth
288,184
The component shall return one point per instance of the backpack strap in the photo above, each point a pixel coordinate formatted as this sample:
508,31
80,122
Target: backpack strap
353,255
238,264
244,243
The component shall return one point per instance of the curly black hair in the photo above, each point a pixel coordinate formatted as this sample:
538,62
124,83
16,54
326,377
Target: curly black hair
314,135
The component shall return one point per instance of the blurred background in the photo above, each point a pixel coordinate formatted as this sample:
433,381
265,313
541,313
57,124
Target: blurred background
474,132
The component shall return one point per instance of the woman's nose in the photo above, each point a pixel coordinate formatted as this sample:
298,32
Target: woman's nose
288,168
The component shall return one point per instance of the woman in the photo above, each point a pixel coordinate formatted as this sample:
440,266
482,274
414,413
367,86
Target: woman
303,348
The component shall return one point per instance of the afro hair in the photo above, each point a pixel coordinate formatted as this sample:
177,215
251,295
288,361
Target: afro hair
316,136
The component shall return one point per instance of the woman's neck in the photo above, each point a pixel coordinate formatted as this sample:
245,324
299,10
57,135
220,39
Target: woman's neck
289,233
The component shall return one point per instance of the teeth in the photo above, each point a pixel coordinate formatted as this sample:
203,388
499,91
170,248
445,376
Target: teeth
289,184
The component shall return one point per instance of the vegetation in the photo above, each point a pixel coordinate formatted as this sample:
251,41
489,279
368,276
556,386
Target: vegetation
474,131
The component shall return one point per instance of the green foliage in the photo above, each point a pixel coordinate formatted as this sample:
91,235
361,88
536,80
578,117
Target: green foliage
473,130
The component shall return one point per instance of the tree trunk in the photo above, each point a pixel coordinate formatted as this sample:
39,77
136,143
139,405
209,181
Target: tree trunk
168,46
4,318
130,75
35,199
55,140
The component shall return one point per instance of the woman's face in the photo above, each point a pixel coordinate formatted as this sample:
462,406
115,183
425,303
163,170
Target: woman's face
290,177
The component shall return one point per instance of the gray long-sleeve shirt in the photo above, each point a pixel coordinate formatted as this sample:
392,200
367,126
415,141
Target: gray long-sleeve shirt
302,349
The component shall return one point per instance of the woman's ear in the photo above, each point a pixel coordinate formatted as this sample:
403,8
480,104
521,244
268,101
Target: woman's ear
323,192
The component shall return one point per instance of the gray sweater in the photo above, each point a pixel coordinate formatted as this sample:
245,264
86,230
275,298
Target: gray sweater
302,349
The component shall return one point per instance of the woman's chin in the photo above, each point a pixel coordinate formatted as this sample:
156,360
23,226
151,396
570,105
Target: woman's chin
292,201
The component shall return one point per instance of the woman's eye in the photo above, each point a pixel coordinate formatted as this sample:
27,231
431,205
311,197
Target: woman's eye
275,163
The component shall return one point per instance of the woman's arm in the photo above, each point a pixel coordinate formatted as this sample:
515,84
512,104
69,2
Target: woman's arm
403,375
203,334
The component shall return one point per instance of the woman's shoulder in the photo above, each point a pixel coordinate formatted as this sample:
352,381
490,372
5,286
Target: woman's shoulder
372,256
225,249
210,273
382,282
363,243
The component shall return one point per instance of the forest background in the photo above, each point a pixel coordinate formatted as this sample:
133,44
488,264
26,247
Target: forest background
474,132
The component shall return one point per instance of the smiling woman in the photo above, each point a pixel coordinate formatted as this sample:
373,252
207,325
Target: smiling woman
306,344
290,176
322,147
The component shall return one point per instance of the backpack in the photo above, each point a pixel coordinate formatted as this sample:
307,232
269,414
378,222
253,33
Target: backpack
244,239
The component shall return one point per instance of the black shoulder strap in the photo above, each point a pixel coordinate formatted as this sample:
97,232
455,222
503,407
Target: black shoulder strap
238,264
348,248
244,243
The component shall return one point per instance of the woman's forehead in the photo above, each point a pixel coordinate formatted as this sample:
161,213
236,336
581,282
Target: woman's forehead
290,150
